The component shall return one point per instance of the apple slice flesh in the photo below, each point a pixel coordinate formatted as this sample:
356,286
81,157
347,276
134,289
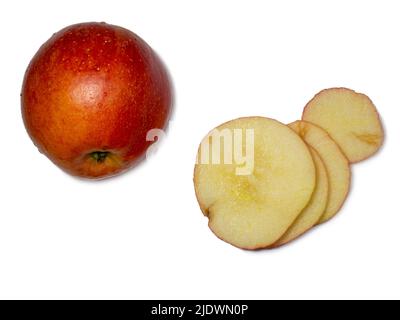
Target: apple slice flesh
254,210
336,164
316,207
350,118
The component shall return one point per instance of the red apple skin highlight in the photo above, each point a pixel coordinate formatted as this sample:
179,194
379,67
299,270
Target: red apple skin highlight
89,97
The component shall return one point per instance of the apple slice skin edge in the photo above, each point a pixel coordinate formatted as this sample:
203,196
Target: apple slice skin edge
324,218
322,188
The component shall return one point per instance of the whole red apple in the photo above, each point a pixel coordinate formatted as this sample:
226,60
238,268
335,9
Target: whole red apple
90,95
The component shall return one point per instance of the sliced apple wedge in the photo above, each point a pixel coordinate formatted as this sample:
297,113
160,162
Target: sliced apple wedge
336,164
315,208
350,118
254,187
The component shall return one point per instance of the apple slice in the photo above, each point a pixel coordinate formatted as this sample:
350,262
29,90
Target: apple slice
350,118
315,208
252,200
336,164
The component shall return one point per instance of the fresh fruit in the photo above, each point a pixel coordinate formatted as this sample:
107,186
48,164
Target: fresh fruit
336,164
90,96
350,118
277,202
315,208
253,209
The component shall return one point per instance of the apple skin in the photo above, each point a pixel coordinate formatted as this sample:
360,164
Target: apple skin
89,97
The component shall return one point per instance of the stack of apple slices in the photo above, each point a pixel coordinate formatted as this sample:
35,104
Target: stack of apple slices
263,184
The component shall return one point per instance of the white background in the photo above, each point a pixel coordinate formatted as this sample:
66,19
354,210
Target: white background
142,235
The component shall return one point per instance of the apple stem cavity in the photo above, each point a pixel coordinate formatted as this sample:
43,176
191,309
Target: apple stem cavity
99,156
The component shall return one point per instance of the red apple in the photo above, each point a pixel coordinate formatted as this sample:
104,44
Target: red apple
90,95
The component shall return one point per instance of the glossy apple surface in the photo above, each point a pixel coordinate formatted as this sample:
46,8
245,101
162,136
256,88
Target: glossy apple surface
90,96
